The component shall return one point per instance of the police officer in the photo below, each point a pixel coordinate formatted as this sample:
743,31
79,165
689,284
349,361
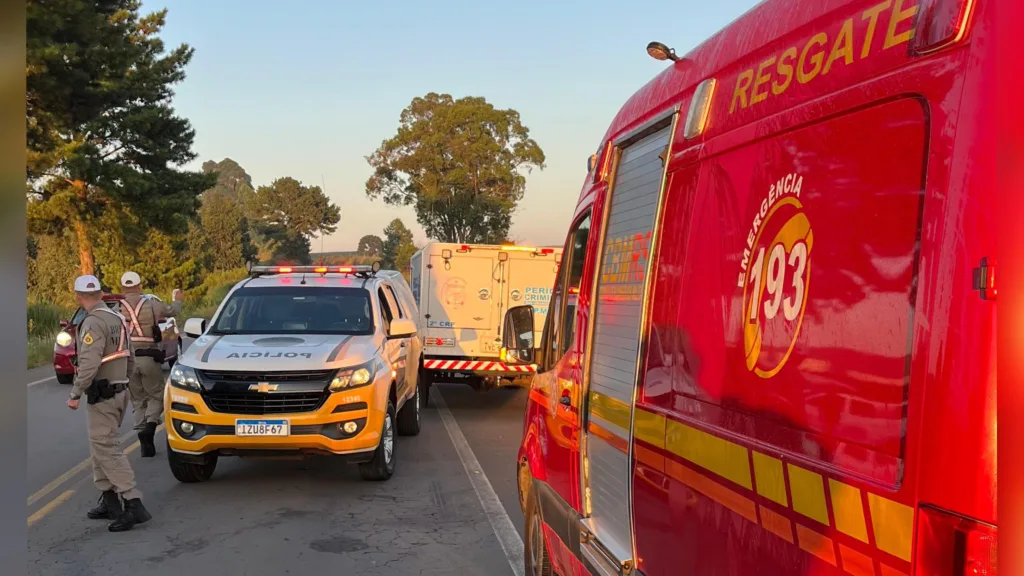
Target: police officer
104,358
146,380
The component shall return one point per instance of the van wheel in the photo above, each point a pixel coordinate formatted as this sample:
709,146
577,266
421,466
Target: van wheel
65,378
535,552
409,415
383,464
190,472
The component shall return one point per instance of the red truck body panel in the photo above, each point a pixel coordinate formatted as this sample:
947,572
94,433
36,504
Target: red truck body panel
818,362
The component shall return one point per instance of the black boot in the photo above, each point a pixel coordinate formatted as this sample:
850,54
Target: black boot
109,507
146,443
134,513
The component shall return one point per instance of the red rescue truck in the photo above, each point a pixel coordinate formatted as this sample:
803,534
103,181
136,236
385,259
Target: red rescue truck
770,348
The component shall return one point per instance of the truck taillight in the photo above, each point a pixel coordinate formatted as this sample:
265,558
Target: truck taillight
951,545
941,23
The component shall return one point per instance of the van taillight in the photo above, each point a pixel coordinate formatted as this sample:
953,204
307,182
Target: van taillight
951,545
941,23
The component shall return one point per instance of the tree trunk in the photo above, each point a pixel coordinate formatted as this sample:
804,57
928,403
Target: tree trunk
84,248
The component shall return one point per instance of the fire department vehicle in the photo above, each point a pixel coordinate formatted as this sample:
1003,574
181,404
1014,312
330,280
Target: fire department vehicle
770,348
298,361
463,292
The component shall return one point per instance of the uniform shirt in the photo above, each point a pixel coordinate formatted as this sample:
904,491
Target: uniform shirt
151,313
100,335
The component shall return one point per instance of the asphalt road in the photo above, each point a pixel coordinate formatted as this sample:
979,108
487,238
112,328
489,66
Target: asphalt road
280,517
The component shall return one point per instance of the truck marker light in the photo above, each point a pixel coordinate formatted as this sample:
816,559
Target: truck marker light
284,270
320,269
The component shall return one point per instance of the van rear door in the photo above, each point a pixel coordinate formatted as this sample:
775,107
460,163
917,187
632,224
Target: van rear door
528,280
460,302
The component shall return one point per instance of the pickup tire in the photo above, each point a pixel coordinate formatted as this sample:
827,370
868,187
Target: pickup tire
190,472
425,381
382,466
65,378
409,415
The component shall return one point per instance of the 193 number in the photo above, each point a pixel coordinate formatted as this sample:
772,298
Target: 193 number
780,264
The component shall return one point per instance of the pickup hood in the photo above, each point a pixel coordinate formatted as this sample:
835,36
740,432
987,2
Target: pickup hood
280,353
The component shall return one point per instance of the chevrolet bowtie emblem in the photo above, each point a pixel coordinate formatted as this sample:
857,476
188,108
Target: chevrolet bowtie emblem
263,387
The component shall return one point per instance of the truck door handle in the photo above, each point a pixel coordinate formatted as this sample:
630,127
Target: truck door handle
565,401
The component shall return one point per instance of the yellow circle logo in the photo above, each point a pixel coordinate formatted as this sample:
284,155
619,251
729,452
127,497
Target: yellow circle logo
87,340
775,287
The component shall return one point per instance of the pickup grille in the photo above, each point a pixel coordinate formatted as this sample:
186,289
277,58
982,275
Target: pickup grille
228,392
258,403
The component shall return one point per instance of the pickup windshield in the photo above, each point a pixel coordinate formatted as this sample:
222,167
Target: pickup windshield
296,310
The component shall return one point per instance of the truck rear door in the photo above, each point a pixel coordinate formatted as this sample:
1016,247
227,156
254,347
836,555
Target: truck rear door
528,280
460,300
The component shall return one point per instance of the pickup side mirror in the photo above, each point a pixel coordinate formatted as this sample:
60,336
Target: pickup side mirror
402,328
194,327
517,335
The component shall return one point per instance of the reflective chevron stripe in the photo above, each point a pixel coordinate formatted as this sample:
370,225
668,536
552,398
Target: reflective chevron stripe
474,365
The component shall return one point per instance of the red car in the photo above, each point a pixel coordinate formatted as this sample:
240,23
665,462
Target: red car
64,347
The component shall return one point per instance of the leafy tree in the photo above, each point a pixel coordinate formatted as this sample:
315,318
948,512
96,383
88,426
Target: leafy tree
459,163
398,246
231,178
370,245
225,231
125,242
52,268
101,132
290,214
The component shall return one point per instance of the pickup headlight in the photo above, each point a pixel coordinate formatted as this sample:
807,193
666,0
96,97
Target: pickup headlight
185,377
64,339
354,377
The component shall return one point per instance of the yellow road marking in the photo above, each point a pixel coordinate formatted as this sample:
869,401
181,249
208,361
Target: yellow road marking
84,464
50,506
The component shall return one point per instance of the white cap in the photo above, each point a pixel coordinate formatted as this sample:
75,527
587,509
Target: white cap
129,279
87,283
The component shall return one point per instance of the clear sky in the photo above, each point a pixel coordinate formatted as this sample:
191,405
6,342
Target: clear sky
308,89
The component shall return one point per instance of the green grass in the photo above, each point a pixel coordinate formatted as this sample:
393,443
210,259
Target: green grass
43,325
